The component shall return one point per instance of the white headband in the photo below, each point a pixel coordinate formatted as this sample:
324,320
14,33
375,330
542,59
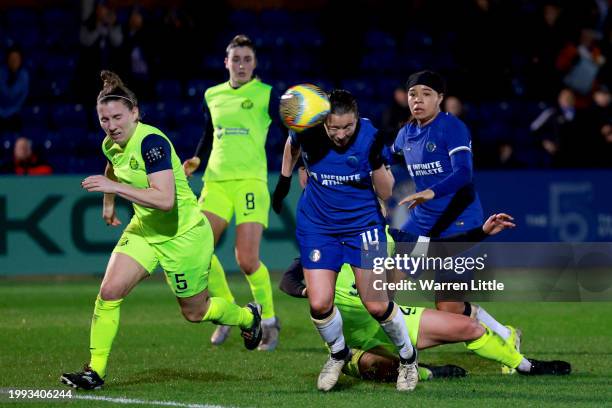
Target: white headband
116,96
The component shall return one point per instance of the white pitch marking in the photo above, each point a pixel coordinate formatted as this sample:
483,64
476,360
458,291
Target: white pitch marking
145,402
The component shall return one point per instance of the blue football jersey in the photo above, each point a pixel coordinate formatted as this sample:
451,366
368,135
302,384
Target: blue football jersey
427,151
339,196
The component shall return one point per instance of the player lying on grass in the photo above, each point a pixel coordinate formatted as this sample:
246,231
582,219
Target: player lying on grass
373,354
167,229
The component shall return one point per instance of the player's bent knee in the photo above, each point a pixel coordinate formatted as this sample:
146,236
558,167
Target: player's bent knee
112,292
377,309
320,307
248,264
476,330
193,316
473,329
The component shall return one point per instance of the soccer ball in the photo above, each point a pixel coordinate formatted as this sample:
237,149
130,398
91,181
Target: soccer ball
303,106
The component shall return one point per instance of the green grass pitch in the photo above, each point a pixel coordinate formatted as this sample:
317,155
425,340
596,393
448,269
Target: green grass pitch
157,356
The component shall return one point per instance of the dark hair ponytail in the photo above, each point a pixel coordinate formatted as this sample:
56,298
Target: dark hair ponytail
113,89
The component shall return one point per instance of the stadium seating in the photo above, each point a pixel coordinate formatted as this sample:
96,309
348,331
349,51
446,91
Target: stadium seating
289,52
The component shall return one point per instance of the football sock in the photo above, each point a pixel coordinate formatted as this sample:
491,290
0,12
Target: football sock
493,347
395,327
220,311
261,288
330,330
483,317
217,282
104,326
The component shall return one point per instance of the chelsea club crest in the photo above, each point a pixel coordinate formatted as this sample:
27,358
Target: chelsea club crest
315,255
430,146
352,161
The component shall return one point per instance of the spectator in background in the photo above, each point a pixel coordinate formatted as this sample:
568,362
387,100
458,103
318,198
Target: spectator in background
25,161
557,130
137,55
101,33
101,38
545,41
178,45
14,88
454,106
599,119
395,115
581,63
506,156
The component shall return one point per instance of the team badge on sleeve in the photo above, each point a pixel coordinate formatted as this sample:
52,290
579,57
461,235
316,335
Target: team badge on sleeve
155,154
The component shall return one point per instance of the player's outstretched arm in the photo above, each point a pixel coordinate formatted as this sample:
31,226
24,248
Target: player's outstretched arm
382,180
160,194
291,154
203,148
495,224
108,202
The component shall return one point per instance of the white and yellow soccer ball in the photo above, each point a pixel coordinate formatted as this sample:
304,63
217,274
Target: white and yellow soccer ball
303,106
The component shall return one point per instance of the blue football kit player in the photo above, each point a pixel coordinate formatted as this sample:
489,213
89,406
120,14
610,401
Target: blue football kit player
437,149
339,220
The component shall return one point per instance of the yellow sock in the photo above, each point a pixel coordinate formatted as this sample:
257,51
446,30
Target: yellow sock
104,326
220,311
491,346
217,282
261,288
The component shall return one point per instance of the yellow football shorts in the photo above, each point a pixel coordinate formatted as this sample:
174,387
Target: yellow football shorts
249,199
185,259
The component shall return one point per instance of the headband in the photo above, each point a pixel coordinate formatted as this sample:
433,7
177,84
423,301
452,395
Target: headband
427,78
116,96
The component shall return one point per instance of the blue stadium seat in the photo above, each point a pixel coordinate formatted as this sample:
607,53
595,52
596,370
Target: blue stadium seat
188,114
197,87
7,139
375,39
60,87
73,138
61,29
35,115
243,18
307,38
59,66
168,89
25,36
155,114
21,18
34,132
361,88
189,135
213,62
276,18
58,18
378,60
69,115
